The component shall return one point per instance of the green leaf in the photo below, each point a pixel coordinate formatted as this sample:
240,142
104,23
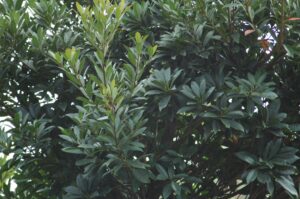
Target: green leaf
251,13
176,187
162,172
138,37
247,157
196,89
167,191
226,123
73,150
185,109
232,124
208,115
187,92
141,175
269,95
73,190
272,149
208,37
163,103
236,126
263,177
270,187
153,50
289,50
287,183
294,127
67,138
202,87
131,55
252,175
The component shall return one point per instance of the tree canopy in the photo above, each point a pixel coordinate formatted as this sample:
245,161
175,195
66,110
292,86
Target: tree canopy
149,99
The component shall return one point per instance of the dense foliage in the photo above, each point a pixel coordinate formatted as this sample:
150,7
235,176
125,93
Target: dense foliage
149,99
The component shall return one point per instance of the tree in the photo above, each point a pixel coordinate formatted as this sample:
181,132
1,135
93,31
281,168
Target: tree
149,99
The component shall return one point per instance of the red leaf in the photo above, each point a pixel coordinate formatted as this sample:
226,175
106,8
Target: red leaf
248,32
293,19
264,43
